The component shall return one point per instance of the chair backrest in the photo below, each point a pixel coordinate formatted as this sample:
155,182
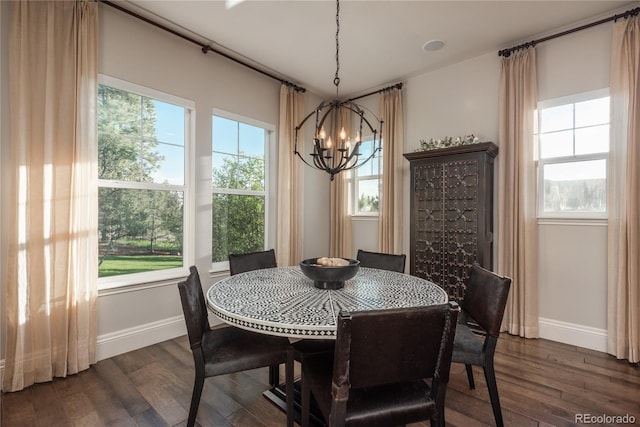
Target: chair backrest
240,263
194,307
408,344
485,298
383,261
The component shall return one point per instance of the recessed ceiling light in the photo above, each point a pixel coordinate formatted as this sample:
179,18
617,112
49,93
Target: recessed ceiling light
433,45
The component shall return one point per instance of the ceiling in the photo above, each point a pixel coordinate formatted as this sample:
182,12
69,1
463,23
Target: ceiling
380,41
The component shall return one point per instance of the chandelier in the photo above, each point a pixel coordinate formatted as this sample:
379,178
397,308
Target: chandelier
342,152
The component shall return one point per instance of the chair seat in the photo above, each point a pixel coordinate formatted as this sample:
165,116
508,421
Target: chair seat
394,404
230,349
467,347
305,348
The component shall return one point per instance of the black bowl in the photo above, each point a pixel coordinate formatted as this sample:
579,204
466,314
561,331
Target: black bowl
326,277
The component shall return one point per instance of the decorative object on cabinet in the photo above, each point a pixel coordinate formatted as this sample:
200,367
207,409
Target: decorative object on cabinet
447,141
451,213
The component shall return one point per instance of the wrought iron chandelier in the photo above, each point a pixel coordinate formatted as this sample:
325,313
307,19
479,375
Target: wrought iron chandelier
342,152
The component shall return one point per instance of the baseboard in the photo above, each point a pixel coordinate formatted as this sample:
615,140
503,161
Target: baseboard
573,334
130,339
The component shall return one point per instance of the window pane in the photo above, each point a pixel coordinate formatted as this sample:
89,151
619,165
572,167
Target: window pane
163,122
592,112
593,139
556,144
556,118
252,141
225,135
575,186
139,230
128,147
368,196
238,225
169,164
119,112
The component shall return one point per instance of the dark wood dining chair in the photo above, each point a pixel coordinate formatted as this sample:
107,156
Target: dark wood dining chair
226,350
376,377
241,263
381,260
483,304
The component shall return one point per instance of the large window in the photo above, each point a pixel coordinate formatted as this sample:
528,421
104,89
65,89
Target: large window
240,186
573,146
367,181
142,146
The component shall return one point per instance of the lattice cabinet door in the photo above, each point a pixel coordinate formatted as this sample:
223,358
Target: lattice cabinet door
451,213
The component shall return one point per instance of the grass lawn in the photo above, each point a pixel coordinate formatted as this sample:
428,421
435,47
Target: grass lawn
127,264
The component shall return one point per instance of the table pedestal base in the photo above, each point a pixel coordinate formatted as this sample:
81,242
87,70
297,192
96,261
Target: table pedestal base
278,397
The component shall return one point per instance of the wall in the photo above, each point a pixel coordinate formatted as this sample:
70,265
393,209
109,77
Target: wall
463,99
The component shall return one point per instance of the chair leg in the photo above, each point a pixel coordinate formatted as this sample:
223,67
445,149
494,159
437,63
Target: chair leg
274,375
195,399
472,384
490,377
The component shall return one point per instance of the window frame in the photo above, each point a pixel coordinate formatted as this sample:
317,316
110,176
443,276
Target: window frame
111,282
575,158
355,179
270,170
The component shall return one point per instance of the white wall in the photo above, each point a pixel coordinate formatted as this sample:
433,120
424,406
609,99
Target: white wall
463,99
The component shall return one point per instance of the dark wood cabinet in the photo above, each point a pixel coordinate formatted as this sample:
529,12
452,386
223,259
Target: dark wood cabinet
451,213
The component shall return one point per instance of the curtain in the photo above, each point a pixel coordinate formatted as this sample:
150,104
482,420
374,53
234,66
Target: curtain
290,221
52,270
340,239
623,311
517,231
391,194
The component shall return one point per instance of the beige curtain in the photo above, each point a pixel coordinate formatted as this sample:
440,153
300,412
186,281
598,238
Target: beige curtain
340,240
623,318
290,221
391,195
517,231
52,272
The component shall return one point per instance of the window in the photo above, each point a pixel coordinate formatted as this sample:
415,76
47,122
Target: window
367,181
142,144
573,146
240,186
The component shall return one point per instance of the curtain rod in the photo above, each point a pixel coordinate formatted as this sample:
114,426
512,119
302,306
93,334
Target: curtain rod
507,52
384,89
204,47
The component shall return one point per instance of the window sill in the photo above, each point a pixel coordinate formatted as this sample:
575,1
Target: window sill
361,217
596,222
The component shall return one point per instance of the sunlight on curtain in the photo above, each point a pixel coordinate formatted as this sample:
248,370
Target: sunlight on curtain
290,210
51,274
517,230
623,296
391,196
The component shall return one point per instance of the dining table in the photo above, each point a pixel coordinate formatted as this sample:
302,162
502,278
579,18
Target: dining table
282,301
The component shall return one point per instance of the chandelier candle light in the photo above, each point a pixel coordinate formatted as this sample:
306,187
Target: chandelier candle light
343,153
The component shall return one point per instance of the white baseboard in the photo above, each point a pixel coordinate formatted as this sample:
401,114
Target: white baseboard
130,339
573,334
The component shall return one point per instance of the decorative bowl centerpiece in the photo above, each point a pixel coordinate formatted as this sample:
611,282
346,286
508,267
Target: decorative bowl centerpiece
329,273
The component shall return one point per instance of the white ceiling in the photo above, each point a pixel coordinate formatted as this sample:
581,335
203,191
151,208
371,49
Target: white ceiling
380,41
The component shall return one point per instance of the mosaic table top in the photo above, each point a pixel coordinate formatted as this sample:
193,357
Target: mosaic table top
282,301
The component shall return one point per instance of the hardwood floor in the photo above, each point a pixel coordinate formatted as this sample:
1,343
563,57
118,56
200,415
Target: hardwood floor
541,383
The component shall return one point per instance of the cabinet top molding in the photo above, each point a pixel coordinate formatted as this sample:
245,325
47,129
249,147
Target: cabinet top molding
489,147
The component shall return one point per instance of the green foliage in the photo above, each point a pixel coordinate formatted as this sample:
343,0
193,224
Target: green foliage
238,220
368,203
127,264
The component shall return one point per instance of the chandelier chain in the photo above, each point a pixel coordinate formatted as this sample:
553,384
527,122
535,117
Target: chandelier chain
336,80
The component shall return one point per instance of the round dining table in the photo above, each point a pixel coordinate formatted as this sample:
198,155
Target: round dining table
282,301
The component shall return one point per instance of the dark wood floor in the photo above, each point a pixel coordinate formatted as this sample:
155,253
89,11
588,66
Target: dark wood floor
541,383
